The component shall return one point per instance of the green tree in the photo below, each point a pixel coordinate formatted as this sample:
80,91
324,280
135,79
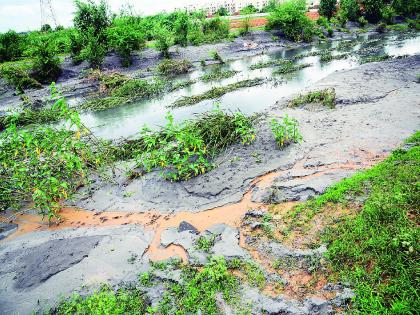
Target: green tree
327,8
46,64
249,9
222,11
46,28
164,39
406,7
180,28
290,17
11,46
271,5
351,9
373,9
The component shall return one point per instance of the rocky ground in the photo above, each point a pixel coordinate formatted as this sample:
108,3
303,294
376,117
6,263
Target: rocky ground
125,224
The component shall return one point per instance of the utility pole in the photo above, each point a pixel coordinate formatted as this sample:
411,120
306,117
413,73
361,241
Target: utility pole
47,13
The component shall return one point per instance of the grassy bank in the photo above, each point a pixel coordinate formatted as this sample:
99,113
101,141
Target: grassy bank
375,248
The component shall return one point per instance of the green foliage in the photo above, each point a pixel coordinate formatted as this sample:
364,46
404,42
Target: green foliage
216,56
46,28
46,64
76,47
326,97
19,78
30,116
289,67
362,21
184,150
351,9
327,8
173,67
383,267
222,11
290,17
373,9
216,92
249,9
254,274
388,14
125,37
246,26
285,131
270,63
95,47
104,301
11,46
45,164
205,243
407,8
197,292
180,27
217,75
164,39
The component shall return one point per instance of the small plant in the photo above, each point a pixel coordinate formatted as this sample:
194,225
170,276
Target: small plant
173,67
205,243
362,21
326,97
215,55
286,131
246,26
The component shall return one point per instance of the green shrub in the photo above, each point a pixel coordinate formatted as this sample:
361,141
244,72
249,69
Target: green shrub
215,29
180,27
291,19
249,9
373,9
222,11
184,150
388,14
46,64
327,8
362,21
46,28
164,39
95,48
125,38
173,67
286,131
351,8
76,47
19,78
407,8
326,97
246,26
43,165
11,46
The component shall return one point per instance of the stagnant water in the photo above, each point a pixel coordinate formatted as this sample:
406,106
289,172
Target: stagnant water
127,120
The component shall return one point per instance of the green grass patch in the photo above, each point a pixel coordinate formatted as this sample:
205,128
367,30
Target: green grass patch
29,116
268,64
290,67
368,59
19,78
377,250
326,97
216,92
181,85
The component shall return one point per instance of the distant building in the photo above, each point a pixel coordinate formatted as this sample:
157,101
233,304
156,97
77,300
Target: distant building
232,6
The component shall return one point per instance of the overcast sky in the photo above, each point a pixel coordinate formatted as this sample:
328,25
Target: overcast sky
24,15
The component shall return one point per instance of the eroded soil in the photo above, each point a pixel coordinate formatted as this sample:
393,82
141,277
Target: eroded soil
122,227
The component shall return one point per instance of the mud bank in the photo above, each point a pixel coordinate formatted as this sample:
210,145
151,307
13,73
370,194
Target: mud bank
378,106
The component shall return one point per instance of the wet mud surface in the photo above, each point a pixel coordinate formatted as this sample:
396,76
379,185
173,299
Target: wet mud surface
124,226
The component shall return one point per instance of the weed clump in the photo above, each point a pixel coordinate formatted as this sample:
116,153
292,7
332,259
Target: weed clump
325,97
173,67
184,150
19,78
285,131
216,92
218,75
289,67
270,63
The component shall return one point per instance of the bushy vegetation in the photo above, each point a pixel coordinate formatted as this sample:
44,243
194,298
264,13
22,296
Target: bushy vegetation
325,97
11,46
104,301
218,75
45,164
350,9
289,67
290,18
216,92
19,78
46,64
185,150
249,9
372,9
327,8
173,67
285,131
383,267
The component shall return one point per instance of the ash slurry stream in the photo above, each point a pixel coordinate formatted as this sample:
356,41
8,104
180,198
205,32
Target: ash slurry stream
127,120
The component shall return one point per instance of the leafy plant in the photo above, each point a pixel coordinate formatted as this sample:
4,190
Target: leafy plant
205,243
362,21
290,17
373,9
285,131
289,67
19,78
46,64
327,8
164,39
184,150
45,164
11,46
326,97
218,75
351,9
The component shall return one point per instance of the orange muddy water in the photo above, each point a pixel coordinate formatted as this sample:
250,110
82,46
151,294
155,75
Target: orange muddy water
157,222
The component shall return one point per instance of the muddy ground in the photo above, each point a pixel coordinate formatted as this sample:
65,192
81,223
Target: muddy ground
123,225
74,85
